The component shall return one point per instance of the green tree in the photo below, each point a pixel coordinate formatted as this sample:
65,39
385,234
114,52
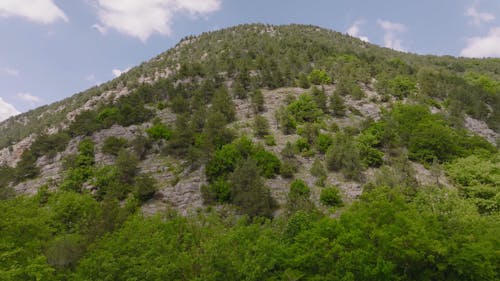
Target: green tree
343,156
261,126
248,191
337,106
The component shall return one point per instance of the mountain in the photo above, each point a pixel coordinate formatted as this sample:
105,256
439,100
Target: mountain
296,124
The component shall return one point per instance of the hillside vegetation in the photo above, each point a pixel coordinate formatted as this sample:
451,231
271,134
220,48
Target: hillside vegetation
260,152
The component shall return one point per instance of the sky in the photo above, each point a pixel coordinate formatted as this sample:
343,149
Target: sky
52,49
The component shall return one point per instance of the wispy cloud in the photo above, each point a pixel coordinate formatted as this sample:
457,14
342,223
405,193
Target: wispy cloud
39,11
391,34
117,72
29,98
354,30
486,46
477,18
143,18
9,71
7,110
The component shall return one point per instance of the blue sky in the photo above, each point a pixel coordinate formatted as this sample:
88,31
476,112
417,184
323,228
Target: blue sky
51,49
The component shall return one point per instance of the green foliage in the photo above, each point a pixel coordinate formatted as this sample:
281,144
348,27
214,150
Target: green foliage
402,86
337,106
299,188
330,196
343,156
478,180
319,77
145,187
261,126
81,168
346,87
323,142
319,172
223,103
257,101
288,168
304,109
268,163
286,120
159,132
112,145
216,192
226,158
248,191
320,98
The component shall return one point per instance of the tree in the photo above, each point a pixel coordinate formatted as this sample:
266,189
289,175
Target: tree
337,106
248,191
261,126
320,98
343,156
257,100
223,103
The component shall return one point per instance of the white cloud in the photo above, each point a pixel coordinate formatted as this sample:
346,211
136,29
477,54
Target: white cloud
143,18
117,72
9,71
7,110
40,11
27,97
391,30
354,30
487,46
477,18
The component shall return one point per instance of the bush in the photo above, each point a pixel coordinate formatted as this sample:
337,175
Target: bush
319,172
323,142
288,168
217,192
159,132
268,163
319,77
145,187
112,145
331,197
304,109
299,188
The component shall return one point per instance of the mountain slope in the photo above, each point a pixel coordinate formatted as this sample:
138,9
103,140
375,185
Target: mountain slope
260,152
364,80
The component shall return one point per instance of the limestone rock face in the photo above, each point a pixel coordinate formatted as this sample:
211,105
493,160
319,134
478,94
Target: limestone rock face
11,155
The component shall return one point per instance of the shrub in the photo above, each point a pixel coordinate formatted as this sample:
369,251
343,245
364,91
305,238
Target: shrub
159,132
319,77
319,172
144,187
304,109
288,168
331,197
299,188
112,145
323,142
268,163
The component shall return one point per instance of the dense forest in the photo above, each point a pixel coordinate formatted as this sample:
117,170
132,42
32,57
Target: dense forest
320,157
